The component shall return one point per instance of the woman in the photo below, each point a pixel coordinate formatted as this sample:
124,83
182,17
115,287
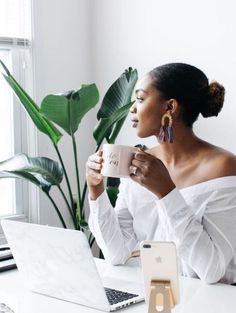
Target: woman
183,190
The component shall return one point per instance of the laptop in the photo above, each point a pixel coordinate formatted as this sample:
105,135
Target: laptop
59,263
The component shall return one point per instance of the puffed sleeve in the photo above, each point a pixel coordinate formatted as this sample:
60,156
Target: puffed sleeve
205,244
113,227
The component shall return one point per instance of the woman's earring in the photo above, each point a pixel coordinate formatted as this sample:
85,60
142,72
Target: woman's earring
166,132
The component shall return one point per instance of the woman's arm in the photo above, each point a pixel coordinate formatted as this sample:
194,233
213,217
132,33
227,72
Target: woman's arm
113,228
203,244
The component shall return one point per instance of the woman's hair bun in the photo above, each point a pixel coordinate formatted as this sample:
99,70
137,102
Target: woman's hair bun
215,100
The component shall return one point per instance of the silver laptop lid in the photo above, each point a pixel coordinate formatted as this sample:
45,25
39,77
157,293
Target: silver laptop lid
56,262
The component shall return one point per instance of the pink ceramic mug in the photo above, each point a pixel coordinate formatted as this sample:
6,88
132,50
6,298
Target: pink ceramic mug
117,159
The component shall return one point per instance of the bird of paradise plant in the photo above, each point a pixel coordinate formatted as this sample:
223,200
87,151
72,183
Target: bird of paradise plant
66,111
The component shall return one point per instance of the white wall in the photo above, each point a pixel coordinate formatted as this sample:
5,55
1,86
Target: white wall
62,56
148,33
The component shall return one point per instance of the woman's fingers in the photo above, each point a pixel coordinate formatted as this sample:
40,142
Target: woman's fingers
95,174
93,170
97,158
133,170
95,161
143,165
142,156
93,165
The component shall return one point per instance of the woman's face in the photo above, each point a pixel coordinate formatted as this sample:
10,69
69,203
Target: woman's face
148,108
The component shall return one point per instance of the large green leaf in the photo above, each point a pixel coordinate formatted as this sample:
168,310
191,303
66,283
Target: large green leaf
29,177
31,107
117,96
105,124
67,110
41,171
115,129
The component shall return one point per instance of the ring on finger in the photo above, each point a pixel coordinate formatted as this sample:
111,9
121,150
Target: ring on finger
135,170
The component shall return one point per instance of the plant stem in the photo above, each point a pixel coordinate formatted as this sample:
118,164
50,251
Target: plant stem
83,197
66,176
79,204
56,208
68,205
90,236
92,241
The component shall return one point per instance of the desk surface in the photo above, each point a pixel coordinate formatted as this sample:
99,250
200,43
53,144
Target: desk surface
196,296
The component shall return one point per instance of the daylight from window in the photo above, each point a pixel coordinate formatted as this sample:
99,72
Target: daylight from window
7,186
15,22
15,18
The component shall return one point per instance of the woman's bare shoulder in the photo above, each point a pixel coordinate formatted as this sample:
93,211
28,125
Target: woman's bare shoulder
222,162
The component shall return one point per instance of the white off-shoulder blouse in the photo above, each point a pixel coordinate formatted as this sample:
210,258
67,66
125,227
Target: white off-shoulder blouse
200,219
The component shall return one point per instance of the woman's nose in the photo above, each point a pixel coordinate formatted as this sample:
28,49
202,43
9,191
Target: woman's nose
132,109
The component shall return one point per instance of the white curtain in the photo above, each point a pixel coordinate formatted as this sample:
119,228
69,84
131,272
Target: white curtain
15,18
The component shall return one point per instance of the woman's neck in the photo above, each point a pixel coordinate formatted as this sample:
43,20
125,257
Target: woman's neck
183,147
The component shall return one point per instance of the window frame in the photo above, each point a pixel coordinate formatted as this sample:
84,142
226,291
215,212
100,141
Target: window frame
25,133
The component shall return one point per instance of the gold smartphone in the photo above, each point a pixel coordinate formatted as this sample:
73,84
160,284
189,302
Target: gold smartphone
159,263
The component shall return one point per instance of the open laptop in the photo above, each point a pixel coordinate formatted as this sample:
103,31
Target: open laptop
58,262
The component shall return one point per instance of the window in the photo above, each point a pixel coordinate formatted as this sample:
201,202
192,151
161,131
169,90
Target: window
7,204
15,52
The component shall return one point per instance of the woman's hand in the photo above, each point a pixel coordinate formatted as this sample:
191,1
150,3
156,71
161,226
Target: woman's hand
94,176
151,173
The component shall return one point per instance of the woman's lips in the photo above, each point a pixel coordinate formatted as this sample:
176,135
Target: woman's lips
135,123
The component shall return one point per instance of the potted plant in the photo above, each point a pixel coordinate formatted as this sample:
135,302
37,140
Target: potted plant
66,111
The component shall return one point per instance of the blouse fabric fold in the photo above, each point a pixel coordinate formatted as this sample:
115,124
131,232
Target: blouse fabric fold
200,219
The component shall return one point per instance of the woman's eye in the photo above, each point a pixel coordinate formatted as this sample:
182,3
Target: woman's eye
139,99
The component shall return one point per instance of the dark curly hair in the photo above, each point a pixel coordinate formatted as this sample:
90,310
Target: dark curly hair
190,87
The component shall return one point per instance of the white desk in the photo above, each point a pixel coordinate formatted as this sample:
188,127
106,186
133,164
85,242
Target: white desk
196,297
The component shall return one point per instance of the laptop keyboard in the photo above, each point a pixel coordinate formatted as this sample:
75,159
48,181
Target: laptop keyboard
115,296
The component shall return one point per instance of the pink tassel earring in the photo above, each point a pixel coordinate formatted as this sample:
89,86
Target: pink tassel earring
166,133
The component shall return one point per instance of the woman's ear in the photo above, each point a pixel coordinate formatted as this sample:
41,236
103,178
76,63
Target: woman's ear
172,105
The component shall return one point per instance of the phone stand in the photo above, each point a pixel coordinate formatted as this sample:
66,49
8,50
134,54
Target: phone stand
135,254
161,297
